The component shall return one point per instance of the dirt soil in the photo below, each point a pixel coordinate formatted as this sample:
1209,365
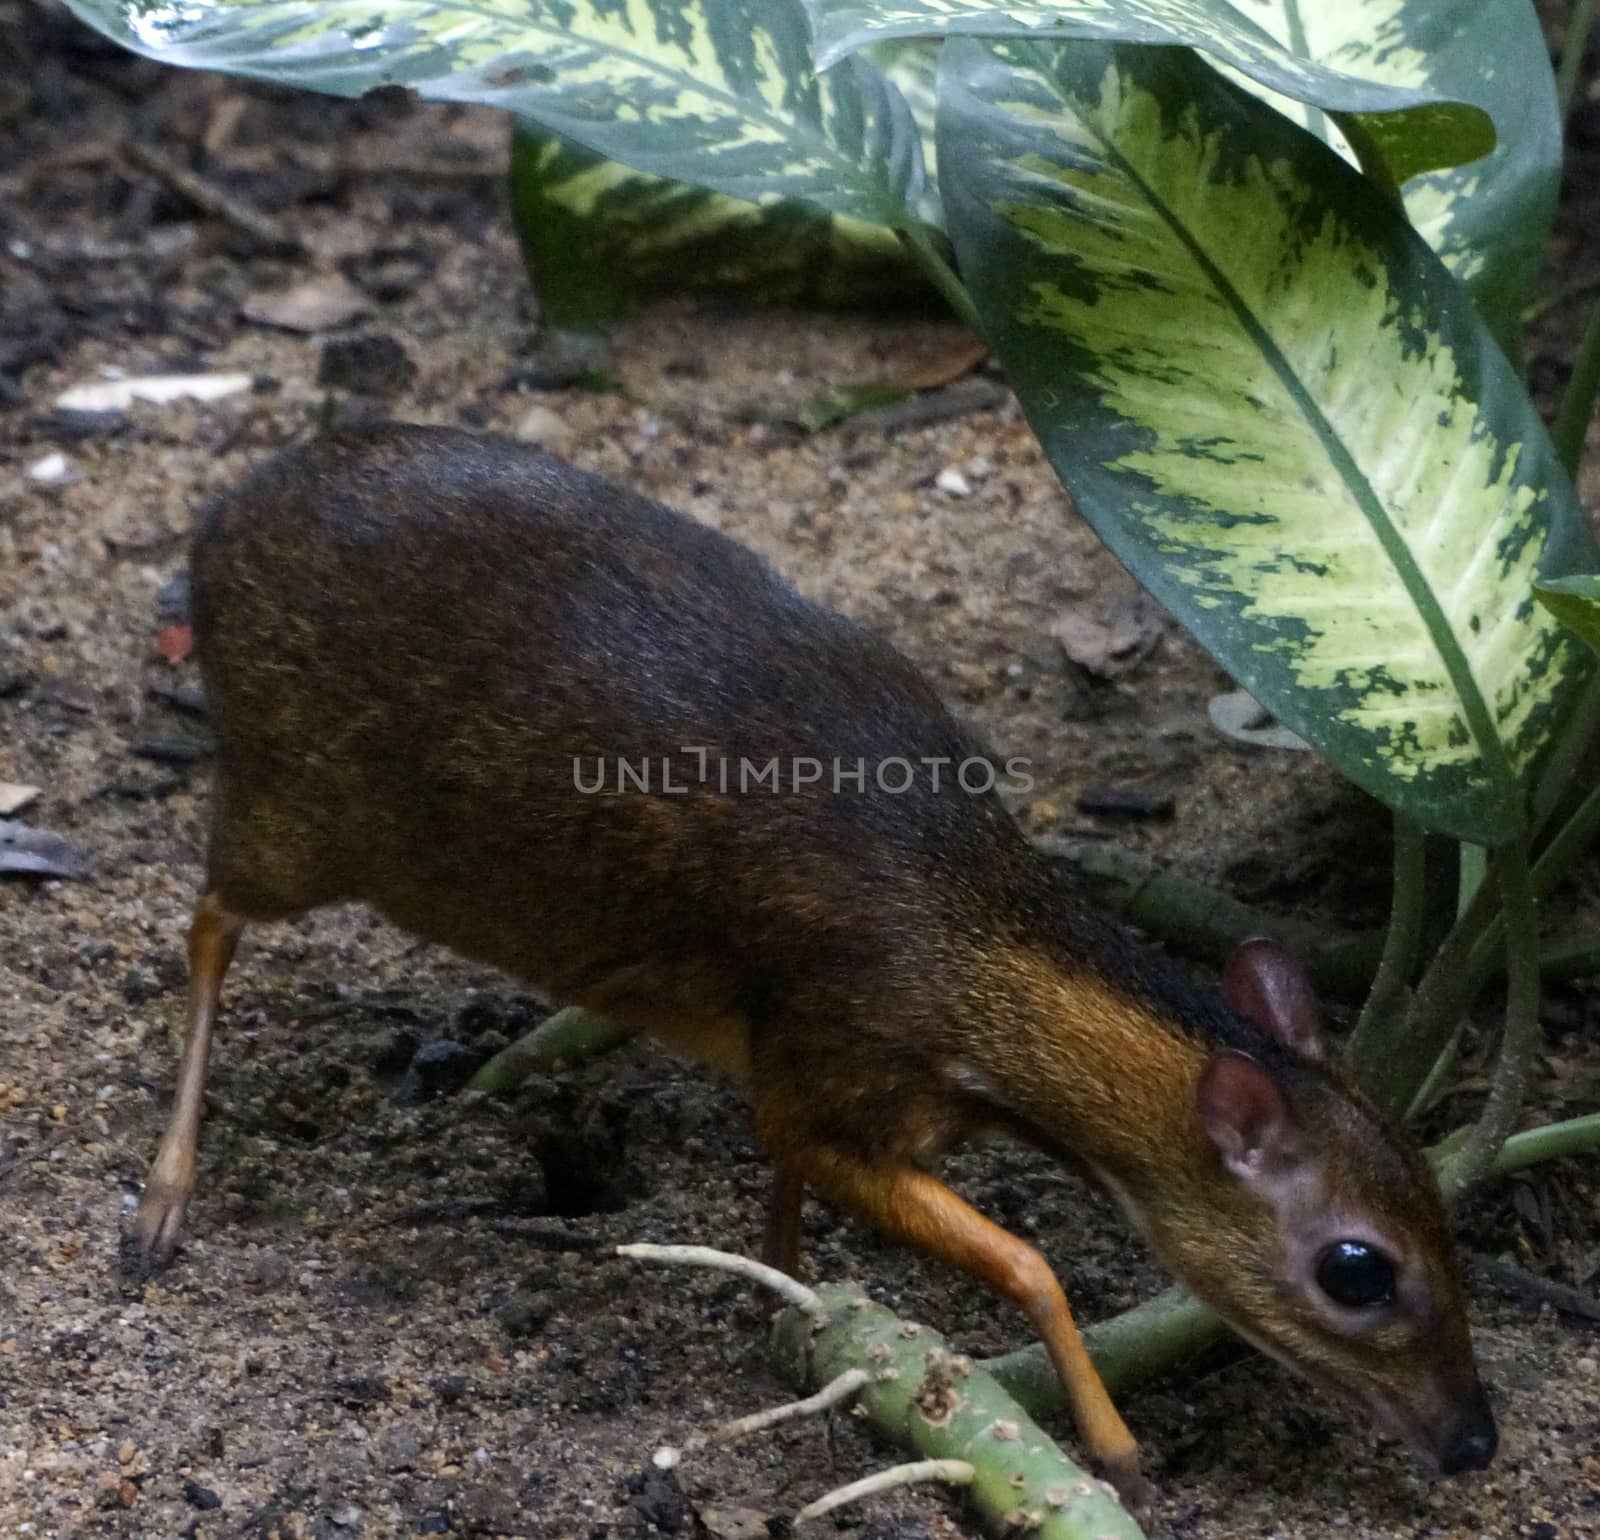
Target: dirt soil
396,1314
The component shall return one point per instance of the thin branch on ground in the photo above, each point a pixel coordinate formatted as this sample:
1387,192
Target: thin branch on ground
1523,1285
951,1472
841,1388
211,199
790,1289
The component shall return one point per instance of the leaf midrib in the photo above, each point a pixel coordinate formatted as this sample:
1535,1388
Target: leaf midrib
1399,553
1299,43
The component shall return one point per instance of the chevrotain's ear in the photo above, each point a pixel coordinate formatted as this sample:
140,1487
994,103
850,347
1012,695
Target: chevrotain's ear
1265,984
1245,1114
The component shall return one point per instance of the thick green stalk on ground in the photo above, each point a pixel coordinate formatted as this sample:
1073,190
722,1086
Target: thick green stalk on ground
1209,924
928,1398
913,1391
567,1038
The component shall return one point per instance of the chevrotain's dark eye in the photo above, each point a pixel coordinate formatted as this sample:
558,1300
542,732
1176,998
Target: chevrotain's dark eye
1355,1275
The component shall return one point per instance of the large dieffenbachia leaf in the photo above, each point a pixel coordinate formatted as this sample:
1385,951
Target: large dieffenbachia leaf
1273,403
600,238
1488,220
718,93
1426,128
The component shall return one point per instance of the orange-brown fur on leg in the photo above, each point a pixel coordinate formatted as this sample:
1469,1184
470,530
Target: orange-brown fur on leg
919,1210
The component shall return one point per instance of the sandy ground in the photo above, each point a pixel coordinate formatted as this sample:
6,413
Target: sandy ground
394,1316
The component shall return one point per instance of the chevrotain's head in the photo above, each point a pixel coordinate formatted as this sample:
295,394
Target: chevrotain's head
1317,1231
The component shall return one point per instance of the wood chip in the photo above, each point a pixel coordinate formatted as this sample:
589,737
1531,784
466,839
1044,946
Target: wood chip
14,796
156,389
318,304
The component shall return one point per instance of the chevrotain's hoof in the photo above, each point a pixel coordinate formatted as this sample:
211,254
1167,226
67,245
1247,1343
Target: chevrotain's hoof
157,1229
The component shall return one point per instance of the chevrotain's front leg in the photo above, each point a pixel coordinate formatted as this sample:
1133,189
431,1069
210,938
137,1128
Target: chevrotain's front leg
911,1206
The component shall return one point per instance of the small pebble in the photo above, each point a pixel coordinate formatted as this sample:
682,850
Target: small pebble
370,365
200,1497
952,483
400,1446
139,986
54,470
438,1068
269,1271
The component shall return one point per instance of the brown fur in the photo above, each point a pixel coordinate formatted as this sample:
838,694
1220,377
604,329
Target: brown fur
408,635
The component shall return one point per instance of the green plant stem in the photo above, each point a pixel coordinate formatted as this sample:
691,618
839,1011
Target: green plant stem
1573,47
1399,946
1208,924
1403,1080
1129,1350
1520,1042
1436,1076
1473,867
569,1037
1577,401
1557,858
922,1395
1397,1071
1533,1146
1174,1328
920,243
1573,741
1573,958
1540,308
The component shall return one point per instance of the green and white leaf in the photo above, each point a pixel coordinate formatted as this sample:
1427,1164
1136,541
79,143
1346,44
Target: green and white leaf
600,238
1575,602
1430,127
1274,404
717,93
1489,220
911,66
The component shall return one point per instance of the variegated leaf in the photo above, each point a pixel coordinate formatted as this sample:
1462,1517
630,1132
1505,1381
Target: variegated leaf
1488,220
1278,409
911,66
600,238
1431,127
1575,602
718,93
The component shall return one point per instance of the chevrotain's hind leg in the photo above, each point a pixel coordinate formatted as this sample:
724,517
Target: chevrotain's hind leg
213,934
781,1247
911,1206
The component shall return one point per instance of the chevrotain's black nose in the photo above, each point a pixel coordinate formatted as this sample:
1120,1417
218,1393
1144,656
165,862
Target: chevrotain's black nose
1474,1442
